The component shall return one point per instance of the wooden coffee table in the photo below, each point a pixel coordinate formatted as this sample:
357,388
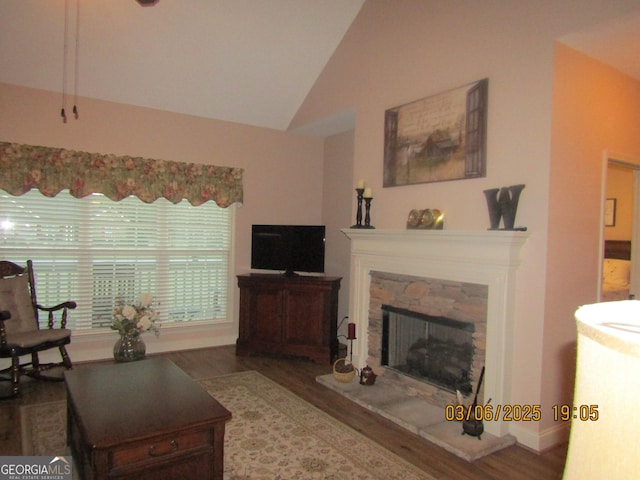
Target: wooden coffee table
143,420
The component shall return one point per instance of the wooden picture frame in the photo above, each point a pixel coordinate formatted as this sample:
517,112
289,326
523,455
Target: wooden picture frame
610,212
437,138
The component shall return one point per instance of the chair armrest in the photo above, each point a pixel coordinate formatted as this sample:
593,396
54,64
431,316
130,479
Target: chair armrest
69,304
65,306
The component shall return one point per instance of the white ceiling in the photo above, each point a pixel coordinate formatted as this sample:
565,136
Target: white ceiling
616,43
245,61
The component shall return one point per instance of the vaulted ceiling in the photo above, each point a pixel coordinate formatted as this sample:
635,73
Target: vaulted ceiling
616,43
245,61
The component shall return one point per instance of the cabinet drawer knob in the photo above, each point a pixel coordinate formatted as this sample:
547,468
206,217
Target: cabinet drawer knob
173,446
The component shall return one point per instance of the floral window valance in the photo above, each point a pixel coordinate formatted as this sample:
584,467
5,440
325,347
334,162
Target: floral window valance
50,170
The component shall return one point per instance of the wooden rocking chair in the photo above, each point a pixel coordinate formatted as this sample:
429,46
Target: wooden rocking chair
20,332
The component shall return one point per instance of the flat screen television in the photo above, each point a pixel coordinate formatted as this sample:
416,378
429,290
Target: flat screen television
288,248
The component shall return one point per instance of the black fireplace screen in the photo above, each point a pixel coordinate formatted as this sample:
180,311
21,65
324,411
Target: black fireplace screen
436,350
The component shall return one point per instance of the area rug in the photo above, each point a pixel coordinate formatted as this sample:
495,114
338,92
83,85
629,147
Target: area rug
273,435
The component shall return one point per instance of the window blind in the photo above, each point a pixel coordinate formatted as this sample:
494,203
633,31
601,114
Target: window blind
98,252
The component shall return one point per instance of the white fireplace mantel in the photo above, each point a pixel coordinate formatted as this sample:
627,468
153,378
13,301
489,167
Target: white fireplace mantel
483,257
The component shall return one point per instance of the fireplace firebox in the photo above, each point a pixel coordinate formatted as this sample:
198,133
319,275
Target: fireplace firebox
433,349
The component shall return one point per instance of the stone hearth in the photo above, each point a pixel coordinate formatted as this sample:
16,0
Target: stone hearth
417,416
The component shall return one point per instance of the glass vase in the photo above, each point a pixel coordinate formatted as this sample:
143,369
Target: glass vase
129,348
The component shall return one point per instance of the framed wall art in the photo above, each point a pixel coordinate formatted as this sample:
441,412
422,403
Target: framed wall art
437,138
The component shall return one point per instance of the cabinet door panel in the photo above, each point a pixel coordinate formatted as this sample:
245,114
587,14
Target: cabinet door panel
267,313
305,316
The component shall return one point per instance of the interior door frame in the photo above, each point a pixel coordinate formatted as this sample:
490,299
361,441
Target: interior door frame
634,164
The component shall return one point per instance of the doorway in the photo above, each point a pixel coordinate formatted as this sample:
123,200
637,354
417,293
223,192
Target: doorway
620,252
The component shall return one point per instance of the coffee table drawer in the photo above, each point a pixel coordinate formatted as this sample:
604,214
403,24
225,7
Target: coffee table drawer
160,447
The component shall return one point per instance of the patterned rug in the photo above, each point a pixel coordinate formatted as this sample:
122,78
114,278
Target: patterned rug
273,435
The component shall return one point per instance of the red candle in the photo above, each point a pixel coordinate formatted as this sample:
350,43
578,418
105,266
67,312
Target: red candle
351,335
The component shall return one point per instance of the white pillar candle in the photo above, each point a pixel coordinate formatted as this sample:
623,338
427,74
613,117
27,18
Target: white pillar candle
367,193
360,184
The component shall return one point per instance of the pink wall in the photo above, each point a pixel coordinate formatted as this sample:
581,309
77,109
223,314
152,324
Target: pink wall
338,197
596,109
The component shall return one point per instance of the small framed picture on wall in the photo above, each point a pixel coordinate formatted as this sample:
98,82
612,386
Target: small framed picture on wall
610,212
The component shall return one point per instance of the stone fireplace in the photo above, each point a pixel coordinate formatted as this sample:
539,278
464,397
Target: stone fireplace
465,278
429,330
445,324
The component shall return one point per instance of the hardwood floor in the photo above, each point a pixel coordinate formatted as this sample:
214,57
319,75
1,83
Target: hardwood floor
512,463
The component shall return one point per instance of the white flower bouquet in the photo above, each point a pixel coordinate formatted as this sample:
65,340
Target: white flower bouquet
135,318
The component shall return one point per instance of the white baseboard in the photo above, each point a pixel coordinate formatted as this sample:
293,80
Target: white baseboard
541,441
90,346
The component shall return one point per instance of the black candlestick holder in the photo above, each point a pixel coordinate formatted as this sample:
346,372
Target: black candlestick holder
360,193
367,217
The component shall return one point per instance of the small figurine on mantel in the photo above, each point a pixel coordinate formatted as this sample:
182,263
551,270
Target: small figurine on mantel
428,219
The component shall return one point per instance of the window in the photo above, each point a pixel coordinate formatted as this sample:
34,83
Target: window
98,252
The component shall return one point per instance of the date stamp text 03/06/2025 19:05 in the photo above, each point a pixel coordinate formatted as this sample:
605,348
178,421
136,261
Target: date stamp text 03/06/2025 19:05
520,413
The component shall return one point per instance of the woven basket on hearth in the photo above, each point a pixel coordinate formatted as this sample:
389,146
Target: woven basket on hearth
343,370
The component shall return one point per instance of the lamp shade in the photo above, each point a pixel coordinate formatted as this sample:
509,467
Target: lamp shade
605,442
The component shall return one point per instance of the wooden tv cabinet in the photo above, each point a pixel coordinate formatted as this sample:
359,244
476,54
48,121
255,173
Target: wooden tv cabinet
294,316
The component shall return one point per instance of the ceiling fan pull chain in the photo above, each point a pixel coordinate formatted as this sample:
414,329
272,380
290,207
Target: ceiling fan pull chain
77,61
64,62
